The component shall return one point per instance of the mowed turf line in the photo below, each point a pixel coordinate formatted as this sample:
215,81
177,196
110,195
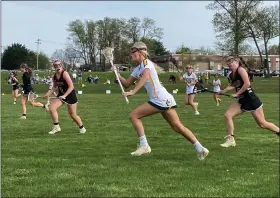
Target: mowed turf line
99,163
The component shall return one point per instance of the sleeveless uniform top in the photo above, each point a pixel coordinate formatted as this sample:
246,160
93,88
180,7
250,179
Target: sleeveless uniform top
248,99
26,80
159,97
216,85
62,86
14,83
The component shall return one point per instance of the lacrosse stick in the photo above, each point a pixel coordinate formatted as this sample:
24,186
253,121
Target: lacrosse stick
174,61
33,96
203,89
109,56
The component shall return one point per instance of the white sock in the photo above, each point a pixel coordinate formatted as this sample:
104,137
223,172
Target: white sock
143,141
198,146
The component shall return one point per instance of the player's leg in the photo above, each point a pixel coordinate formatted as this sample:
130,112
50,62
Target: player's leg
23,106
14,96
232,111
55,104
72,111
186,99
172,118
217,99
258,115
135,116
192,103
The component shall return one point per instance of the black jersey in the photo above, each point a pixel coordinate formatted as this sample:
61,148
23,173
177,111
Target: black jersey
62,86
237,82
26,81
14,83
248,99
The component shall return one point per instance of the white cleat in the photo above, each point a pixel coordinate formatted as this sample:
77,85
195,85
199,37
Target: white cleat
218,104
83,130
141,151
56,128
196,113
202,154
23,117
229,142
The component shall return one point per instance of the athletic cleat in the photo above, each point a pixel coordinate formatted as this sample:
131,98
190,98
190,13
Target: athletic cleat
196,113
83,130
229,142
141,151
56,128
218,104
23,117
202,154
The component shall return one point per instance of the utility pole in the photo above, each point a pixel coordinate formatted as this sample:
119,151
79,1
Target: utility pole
38,43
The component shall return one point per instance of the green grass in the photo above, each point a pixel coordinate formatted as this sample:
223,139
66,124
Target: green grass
99,163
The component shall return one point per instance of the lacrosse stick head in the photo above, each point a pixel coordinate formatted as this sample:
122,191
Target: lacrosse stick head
108,53
32,96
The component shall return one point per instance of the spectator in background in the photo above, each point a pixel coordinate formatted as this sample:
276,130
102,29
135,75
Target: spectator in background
74,77
206,77
172,79
95,79
80,78
108,82
90,79
200,80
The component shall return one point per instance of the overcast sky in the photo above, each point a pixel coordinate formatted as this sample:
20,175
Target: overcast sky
184,22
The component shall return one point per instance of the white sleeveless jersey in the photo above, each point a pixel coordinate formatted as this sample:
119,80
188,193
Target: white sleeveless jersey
190,78
157,93
216,85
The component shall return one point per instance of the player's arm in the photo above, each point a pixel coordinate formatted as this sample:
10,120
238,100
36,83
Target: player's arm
69,82
228,88
127,82
243,73
145,76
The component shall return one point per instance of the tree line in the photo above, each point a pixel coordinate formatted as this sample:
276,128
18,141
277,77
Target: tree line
88,37
238,23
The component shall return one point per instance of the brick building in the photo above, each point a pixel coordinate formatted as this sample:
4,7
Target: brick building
202,62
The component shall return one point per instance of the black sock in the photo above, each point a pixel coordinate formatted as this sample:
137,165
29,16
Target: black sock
23,114
81,127
278,133
232,135
55,123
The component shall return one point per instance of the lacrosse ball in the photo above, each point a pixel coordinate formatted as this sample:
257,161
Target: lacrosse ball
83,85
3,94
176,89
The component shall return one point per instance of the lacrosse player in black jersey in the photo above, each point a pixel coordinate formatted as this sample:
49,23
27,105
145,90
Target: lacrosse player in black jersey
15,87
248,100
66,95
27,89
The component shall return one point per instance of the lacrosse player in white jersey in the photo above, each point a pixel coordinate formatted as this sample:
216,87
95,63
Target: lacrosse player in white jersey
190,80
160,101
216,89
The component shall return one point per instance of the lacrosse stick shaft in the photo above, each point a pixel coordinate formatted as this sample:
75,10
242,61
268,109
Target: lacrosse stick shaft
118,79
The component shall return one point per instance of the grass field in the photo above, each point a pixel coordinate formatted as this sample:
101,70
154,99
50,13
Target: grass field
99,163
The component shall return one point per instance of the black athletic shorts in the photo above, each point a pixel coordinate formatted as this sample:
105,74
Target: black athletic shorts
71,98
27,89
250,104
15,87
